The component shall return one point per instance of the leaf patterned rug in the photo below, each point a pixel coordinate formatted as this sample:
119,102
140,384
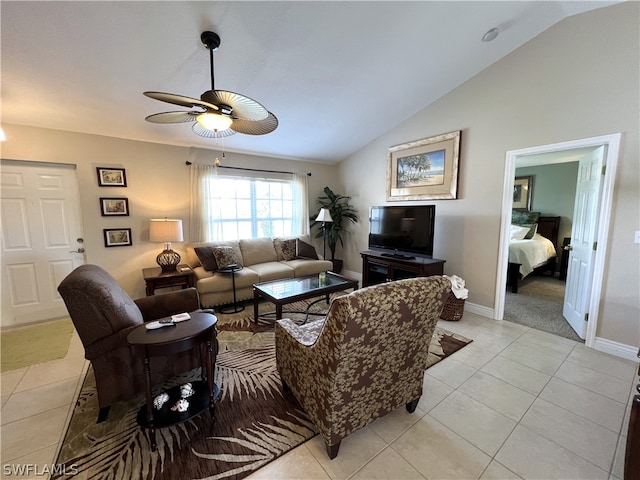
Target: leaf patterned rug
254,421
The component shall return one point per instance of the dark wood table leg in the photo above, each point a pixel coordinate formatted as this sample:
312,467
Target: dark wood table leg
147,391
278,311
209,360
256,299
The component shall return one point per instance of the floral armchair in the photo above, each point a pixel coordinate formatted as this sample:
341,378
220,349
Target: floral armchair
103,315
365,359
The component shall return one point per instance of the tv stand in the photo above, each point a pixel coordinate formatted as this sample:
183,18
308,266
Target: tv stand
380,267
398,255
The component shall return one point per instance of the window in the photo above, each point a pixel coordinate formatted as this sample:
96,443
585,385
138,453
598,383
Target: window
235,207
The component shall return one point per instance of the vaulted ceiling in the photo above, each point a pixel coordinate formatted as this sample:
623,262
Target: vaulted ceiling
336,74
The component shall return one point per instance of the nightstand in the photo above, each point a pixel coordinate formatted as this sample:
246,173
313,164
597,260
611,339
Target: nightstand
156,278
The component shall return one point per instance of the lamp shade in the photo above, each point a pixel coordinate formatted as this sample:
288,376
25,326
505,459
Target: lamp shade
214,121
165,230
324,216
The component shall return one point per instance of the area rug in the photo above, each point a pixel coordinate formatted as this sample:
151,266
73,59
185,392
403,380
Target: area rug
35,344
255,421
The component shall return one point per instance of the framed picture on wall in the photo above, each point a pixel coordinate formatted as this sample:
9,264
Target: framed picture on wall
117,237
114,207
522,189
111,177
426,169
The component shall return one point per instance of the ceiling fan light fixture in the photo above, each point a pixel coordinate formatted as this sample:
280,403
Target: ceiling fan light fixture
214,121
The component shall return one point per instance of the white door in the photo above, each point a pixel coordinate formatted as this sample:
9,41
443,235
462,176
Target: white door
583,239
41,239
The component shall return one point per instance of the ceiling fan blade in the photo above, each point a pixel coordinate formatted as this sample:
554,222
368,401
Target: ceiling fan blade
260,127
203,132
243,107
173,117
180,100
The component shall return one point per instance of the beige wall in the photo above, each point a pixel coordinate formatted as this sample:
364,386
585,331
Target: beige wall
157,186
578,79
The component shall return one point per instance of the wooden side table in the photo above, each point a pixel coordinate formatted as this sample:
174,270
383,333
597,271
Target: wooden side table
156,278
197,332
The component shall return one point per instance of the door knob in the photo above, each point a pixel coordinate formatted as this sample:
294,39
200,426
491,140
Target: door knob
568,247
80,250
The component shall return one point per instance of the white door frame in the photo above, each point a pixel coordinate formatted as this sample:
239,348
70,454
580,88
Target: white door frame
612,142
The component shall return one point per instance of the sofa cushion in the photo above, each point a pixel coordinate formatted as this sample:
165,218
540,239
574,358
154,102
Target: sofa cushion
194,261
305,250
258,250
225,256
207,259
272,271
285,248
304,266
222,282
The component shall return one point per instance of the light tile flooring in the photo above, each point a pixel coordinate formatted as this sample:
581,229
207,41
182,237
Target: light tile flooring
516,403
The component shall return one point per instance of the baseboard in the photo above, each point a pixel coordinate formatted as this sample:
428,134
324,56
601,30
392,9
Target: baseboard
479,310
354,275
621,350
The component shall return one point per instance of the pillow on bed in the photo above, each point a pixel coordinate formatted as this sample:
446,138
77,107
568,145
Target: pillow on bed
518,232
533,228
524,218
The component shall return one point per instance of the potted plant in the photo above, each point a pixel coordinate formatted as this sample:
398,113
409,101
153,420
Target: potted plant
341,213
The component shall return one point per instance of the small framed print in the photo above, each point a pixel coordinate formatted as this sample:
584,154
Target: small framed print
117,237
111,177
114,207
522,189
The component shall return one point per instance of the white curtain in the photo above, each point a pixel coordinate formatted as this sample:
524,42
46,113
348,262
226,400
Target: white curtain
204,209
300,204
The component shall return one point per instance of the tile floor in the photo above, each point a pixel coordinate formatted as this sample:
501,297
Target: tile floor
516,403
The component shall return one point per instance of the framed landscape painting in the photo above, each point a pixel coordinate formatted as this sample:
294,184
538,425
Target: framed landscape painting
425,169
117,237
111,177
114,207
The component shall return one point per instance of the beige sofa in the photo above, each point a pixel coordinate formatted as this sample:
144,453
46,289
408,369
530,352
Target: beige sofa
262,260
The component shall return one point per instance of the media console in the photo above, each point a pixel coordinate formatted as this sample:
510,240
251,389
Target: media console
379,267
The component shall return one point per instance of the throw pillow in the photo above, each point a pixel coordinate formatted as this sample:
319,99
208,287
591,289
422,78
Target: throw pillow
207,260
533,228
305,250
287,248
518,232
225,257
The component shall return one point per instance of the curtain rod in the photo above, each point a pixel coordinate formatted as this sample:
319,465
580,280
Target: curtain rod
251,169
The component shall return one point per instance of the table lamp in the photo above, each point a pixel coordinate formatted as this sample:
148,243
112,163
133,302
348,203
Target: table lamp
325,217
166,230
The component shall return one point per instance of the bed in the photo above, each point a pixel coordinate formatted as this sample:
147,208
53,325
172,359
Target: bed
533,251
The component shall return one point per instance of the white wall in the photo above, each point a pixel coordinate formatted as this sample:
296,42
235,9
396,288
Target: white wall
578,79
157,186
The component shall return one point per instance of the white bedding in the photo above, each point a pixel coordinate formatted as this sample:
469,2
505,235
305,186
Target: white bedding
531,253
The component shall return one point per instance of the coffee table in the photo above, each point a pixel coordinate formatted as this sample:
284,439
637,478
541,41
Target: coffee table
290,290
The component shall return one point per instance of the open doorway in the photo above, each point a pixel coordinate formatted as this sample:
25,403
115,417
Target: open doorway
590,297
538,300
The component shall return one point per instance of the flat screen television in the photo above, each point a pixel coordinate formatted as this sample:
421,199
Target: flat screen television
402,231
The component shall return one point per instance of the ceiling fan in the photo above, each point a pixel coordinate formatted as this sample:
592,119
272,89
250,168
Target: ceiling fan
218,113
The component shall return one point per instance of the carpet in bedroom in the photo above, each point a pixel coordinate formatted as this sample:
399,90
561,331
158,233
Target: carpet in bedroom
538,304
